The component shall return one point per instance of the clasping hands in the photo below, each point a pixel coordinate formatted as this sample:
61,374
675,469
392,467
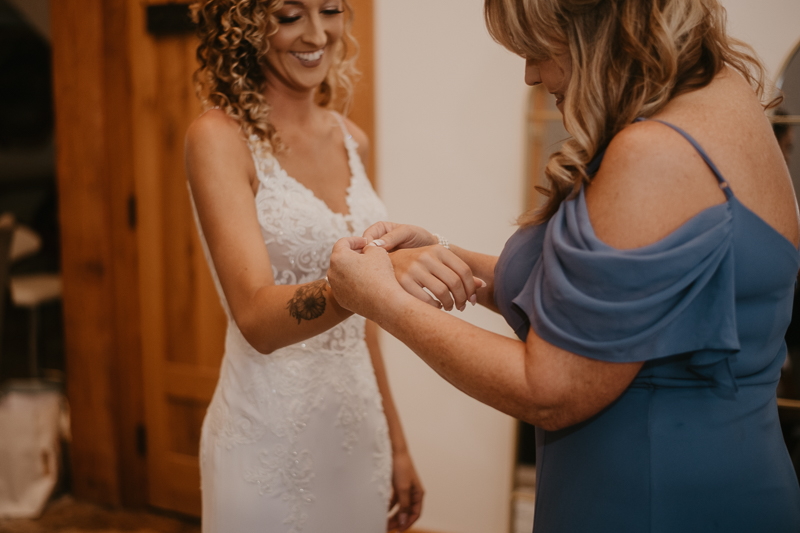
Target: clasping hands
421,265
391,236
364,275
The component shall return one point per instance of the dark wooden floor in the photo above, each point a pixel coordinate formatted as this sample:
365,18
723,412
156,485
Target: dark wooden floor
66,515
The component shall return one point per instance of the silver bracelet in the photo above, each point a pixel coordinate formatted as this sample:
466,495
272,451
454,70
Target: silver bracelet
444,242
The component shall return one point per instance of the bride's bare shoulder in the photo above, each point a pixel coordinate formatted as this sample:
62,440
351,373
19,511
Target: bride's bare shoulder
213,124
215,146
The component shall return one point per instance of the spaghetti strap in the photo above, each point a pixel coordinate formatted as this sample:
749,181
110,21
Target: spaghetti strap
723,183
342,125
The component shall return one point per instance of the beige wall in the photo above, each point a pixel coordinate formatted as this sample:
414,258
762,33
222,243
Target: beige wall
450,154
772,27
450,124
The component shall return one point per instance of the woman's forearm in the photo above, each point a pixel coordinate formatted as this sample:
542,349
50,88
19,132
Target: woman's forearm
487,366
280,315
534,381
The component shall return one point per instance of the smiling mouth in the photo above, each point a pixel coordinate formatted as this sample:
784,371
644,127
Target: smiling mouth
309,57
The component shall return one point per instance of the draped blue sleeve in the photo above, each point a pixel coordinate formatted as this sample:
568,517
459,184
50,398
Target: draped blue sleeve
671,297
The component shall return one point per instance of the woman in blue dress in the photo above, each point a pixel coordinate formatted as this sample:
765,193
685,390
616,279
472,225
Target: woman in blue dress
650,293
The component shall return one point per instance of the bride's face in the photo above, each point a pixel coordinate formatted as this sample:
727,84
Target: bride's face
301,51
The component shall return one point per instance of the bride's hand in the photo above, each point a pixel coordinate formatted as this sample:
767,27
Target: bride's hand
391,236
440,271
405,506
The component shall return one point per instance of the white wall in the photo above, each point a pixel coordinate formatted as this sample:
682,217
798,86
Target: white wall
450,140
450,106
772,27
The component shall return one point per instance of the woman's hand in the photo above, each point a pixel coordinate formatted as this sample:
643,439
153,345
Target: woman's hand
362,277
391,236
438,270
405,506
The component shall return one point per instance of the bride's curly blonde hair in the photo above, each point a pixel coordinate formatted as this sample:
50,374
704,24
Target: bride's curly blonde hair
234,40
629,58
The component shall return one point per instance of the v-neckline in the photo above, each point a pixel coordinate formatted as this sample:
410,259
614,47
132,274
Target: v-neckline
348,192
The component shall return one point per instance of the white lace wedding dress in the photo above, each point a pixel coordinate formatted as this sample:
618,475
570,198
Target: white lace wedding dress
296,441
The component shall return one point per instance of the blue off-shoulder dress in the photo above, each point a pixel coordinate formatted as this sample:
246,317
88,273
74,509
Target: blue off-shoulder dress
694,443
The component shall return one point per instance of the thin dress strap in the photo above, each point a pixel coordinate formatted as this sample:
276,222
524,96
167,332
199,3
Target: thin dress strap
723,183
340,120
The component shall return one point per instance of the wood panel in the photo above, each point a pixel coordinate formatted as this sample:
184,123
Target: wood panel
98,250
128,379
363,111
182,321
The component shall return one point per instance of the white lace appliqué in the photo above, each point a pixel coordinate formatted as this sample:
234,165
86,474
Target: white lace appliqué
271,398
287,473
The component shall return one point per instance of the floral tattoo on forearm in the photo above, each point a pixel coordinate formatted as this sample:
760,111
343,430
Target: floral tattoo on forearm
308,301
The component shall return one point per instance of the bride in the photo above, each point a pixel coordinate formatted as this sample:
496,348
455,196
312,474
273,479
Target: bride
301,434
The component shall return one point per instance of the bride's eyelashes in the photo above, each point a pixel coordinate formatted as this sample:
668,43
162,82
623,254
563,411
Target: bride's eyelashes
289,19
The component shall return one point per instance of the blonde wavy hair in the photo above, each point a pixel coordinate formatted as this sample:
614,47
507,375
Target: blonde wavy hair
234,40
629,58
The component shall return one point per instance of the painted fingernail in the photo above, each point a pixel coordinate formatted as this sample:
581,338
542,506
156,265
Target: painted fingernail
378,242
483,283
402,518
463,306
473,299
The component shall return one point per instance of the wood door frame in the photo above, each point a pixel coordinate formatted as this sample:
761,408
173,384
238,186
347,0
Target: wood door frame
94,75
363,111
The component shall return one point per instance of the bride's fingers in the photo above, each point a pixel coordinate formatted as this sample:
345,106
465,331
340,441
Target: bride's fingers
412,512
417,278
416,505
412,288
404,509
454,273
469,283
453,283
440,291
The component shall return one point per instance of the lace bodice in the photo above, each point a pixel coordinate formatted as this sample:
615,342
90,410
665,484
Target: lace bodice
270,400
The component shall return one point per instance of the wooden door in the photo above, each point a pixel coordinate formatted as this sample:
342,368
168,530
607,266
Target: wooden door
182,322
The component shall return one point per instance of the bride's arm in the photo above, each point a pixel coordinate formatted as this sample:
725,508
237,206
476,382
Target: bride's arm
407,489
221,172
